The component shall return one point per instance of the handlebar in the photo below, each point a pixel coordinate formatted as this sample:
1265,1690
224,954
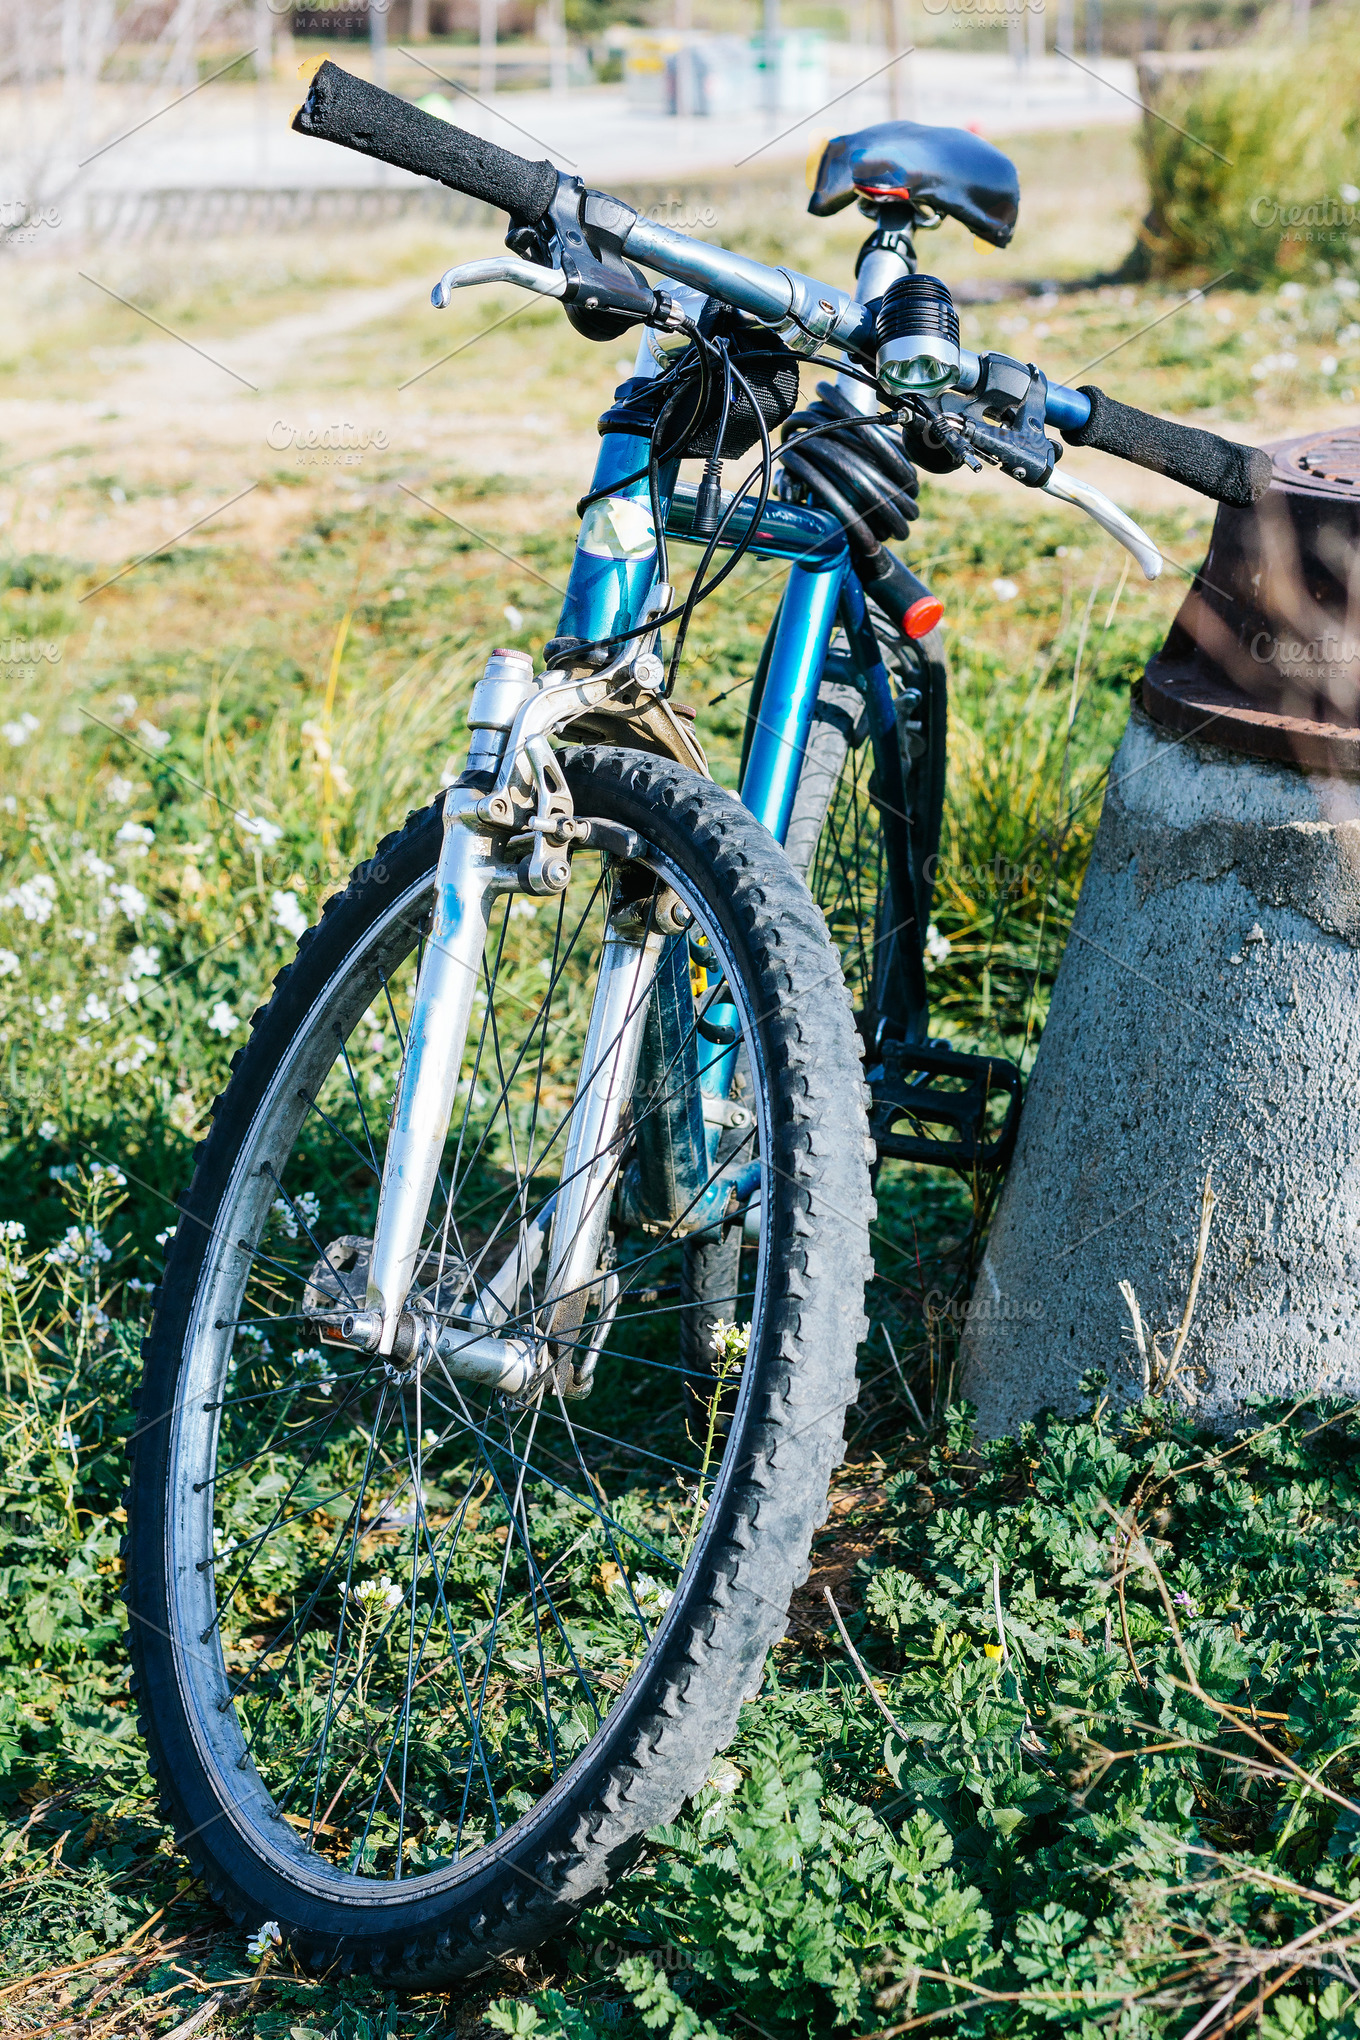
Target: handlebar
805,312
1229,473
342,108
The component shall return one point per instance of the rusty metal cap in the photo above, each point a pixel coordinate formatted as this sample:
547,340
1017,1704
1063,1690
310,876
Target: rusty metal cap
1264,655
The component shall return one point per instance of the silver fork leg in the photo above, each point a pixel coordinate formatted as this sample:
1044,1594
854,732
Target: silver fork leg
468,878
618,1013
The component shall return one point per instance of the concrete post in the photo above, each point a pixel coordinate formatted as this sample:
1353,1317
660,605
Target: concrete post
1206,1016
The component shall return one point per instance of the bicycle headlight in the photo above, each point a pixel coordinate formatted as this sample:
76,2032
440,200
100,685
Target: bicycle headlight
918,337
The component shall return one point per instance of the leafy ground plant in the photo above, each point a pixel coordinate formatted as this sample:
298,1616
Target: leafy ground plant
1095,1773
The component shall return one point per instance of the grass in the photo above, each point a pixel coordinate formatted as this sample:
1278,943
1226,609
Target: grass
220,734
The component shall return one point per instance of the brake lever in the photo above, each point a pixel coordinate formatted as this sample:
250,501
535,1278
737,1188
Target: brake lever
1110,517
499,269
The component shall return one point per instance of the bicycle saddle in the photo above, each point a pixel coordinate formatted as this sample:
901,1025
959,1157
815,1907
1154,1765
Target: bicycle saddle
945,169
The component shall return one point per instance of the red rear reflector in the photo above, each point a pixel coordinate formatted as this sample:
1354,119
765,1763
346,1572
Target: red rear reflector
923,615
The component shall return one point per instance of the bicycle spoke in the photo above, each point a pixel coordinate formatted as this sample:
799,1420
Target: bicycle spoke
431,1594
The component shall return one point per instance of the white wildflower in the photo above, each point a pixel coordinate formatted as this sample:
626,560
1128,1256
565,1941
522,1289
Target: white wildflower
13,1267
48,1130
255,825
937,946
52,1013
730,1342
288,914
69,1441
374,1594
120,790
724,1778
1005,590
107,1173
17,733
144,962
155,739
130,900
651,1597
81,1247
305,1206
33,898
9,963
134,1056
95,1008
322,1369
84,937
97,867
222,1020
260,1943
124,707
162,1238
514,617
135,835
522,909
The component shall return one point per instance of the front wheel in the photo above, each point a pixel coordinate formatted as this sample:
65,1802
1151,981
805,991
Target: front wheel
419,1662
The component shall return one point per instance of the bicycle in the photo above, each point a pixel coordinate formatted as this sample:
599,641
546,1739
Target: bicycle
562,1102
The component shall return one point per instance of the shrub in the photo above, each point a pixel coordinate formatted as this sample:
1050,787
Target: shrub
1254,174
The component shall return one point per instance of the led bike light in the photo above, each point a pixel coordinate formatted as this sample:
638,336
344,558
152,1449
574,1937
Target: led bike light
918,337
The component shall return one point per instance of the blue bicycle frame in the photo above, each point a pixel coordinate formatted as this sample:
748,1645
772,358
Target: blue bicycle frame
612,577
607,594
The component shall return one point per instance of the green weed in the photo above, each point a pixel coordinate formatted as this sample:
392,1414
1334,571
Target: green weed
1252,167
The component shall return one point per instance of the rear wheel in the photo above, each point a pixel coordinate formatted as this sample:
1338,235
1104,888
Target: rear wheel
834,840
419,1662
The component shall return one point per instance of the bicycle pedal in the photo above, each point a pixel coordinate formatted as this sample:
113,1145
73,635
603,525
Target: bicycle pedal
974,1098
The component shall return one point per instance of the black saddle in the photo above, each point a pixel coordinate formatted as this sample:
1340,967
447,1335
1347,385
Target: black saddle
940,169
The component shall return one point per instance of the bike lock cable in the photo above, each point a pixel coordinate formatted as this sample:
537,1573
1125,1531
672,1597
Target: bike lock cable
694,597
699,593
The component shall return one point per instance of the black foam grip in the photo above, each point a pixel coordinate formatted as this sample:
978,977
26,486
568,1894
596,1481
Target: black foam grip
1238,475
348,110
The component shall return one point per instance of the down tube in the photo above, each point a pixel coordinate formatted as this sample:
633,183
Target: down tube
784,717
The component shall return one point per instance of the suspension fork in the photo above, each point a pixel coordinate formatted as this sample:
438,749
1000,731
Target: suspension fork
468,879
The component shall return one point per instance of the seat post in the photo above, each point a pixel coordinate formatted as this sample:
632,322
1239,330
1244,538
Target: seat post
887,254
